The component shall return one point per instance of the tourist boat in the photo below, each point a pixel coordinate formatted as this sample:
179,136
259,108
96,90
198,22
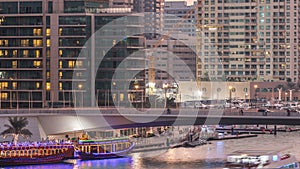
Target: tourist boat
28,154
103,149
261,159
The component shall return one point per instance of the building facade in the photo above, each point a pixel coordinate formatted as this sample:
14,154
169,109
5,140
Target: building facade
153,10
249,40
176,10
42,63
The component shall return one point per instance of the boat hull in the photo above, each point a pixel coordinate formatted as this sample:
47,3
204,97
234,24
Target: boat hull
86,156
17,161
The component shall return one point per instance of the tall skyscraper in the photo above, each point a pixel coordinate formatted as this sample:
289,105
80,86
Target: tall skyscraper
250,40
153,10
45,60
179,17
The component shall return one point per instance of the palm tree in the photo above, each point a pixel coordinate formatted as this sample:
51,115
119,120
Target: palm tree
16,128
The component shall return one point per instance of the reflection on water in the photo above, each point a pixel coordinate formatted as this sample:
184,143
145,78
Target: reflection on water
206,156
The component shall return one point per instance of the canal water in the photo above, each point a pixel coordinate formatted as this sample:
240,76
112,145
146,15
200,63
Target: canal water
206,156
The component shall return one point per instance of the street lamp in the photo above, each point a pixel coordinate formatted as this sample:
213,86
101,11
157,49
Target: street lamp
285,96
255,94
246,96
136,87
230,91
165,87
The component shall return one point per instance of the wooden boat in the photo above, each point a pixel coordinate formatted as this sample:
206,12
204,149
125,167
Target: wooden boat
103,149
12,155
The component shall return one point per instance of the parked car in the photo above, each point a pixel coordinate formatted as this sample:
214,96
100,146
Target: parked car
264,111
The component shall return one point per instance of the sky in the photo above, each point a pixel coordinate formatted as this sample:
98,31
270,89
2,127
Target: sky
189,2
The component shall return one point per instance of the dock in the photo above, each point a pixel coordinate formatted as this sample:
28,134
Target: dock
235,136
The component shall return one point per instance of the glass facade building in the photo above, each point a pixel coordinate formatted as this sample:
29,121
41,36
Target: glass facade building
45,56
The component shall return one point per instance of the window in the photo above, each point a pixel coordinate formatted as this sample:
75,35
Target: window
48,75
71,64
37,85
37,64
3,85
60,74
48,85
37,53
14,64
48,32
14,85
37,32
37,42
4,96
25,53
48,42
25,42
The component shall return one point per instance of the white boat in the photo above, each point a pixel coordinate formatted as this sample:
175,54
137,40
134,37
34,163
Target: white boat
261,159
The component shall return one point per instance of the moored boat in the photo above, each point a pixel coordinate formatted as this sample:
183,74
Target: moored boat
261,159
103,149
25,154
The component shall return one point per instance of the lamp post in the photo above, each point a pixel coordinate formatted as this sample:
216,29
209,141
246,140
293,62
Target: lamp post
246,96
136,87
285,98
255,94
165,87
230,92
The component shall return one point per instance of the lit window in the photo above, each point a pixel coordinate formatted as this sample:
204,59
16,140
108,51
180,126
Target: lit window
121,97
48,85
14,64
48,43
60,74
3,85
3,42
48,75
78,74
37,85
37,53
1,53
15,53
60,85
60,53
80,86
79,63
14,85
37,42
37,32
60,64
37,63
4,96
25,42
25,53
71,64
48,31
60,31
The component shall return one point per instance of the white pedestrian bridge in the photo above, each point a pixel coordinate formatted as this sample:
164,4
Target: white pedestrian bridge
62,120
